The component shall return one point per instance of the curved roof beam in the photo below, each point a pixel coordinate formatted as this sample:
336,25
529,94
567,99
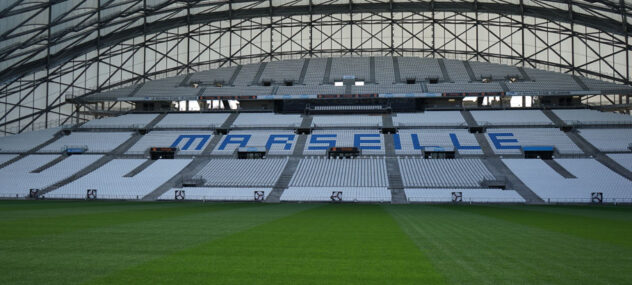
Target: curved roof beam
559,15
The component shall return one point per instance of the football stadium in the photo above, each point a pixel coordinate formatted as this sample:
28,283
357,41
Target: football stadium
315,142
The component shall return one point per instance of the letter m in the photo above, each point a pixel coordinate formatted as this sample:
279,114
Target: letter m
189,141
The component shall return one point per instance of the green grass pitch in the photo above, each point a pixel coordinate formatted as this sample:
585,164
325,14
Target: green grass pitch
76,242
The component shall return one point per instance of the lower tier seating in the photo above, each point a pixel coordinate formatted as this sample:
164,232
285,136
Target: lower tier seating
443,173
110,183
242,172
322,172
609,139
467,195
216,194
349,194
624,159
18,177
592,176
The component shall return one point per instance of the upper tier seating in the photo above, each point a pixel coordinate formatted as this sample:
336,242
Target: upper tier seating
278,71
17,178
419,68
592,176
387,89
187,142
278,142
356,66
110,182
166,87
511,117
456,71
347,121
368,141
192,120
468,195
247,74
443,173
349,194
242,172
586,117
246,120
595,84
213,75
124,121
497,71
322,172
413,141
608,139
310,90
384,72
510,141
429,118
553,81
26,141
231,91
96,142
315,72
216,194
462,87
624,159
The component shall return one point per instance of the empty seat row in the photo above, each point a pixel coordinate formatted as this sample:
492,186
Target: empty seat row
110,182
320,172
242,172
591,176
443,173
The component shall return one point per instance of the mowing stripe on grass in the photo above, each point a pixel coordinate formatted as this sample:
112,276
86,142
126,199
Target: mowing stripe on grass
74,257
469,248
70,221
331,244
595,227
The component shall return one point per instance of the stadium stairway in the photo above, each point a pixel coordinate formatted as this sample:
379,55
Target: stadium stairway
394,175
498,168
469,119
290,167
444,70
387,122
307,122
284,180
118,151
484,144
33,150
554,118
155,121
559,168
140,168
50,164
192,168
588,148
229,121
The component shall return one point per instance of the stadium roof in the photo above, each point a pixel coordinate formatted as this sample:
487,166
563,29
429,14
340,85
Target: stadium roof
50,50
386,77
35,34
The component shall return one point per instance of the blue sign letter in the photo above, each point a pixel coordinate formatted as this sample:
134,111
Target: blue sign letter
498,142
273,140
191,139
358,141
397,142
314,140
241,140
457,144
